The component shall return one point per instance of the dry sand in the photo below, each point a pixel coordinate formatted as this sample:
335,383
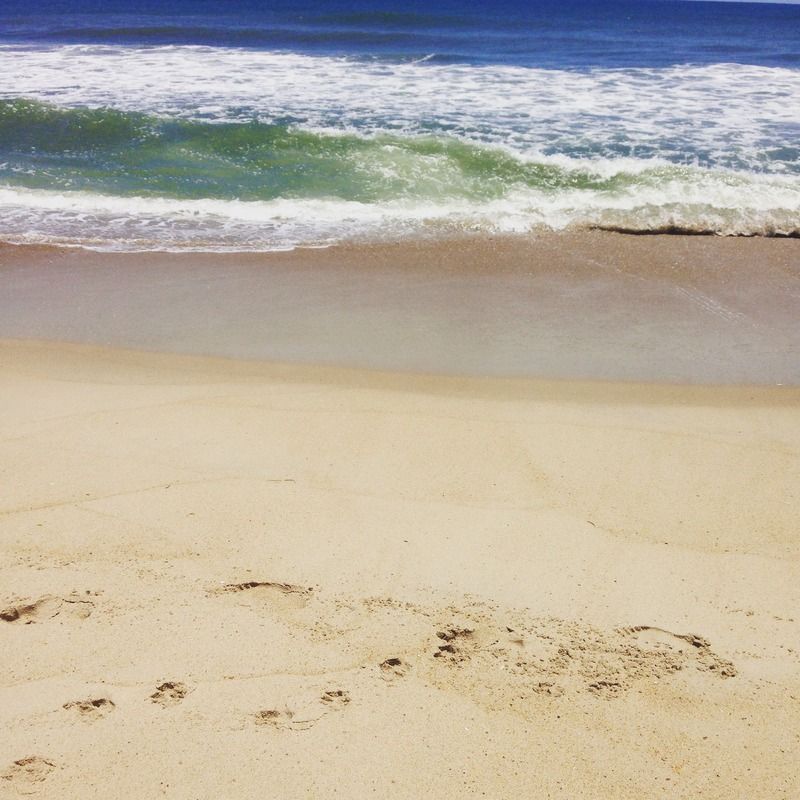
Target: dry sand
225,579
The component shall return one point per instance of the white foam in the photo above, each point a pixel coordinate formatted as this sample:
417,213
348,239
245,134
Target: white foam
691,200
638,123
719,115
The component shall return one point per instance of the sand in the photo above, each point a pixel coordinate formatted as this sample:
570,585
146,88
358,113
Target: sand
686,309
234,579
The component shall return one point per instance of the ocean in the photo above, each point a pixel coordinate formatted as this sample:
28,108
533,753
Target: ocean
199,125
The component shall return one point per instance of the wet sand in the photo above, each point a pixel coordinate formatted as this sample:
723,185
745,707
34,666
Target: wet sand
593,305
223,576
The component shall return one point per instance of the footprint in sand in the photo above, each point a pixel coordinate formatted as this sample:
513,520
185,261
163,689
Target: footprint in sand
169,693
647,636
335,698
25,775
285,719
394,668
454,642
688,646
523,657
269,595
46,608
305,717
91,709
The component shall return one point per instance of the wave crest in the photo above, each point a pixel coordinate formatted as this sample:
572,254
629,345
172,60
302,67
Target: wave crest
102,176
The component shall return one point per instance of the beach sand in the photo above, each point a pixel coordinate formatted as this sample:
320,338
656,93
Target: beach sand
229,578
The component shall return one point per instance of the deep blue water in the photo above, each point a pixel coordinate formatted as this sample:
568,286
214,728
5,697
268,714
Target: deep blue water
567,34
250,125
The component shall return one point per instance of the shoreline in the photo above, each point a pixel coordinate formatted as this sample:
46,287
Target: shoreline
601,306
225,368
247,573
421,237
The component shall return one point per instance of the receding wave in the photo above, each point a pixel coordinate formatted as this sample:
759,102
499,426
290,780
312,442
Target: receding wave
104,177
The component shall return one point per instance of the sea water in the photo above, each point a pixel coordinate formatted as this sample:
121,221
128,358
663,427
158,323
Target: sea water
210,125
